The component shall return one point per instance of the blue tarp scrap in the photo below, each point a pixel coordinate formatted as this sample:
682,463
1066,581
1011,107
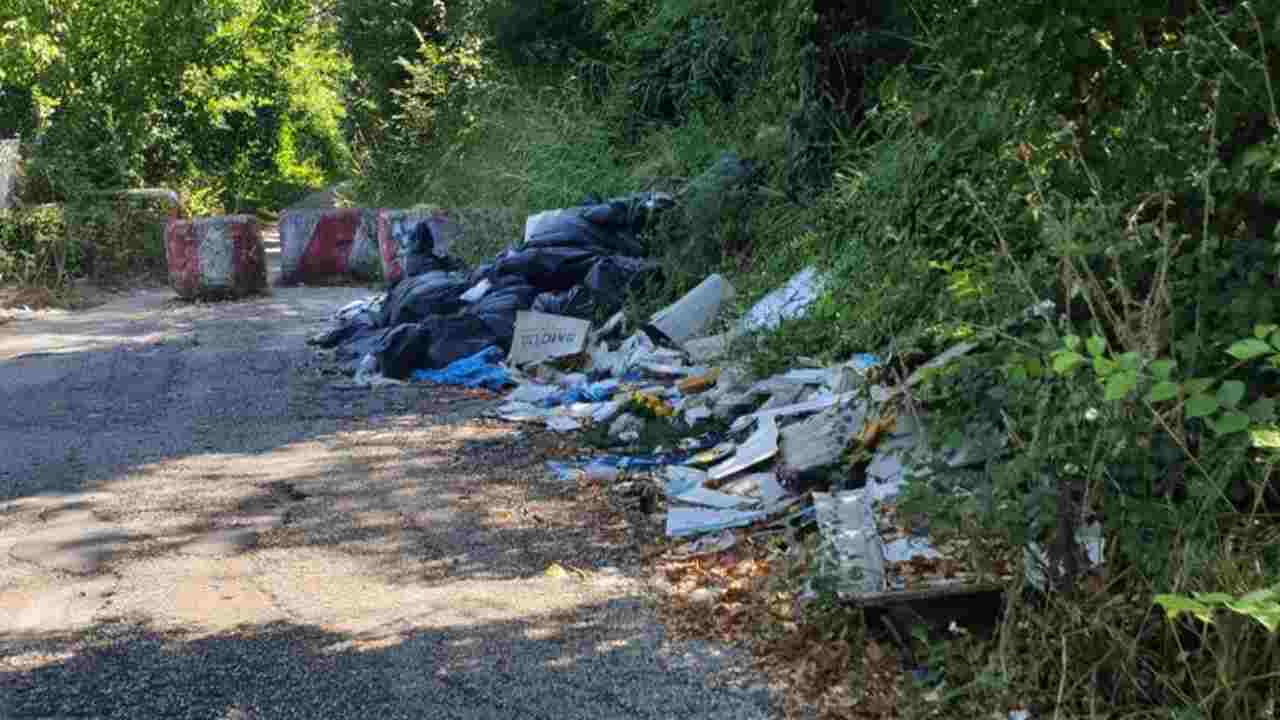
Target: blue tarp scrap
484,369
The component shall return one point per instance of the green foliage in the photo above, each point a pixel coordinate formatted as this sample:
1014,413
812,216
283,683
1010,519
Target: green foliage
240,96
34,250
120,236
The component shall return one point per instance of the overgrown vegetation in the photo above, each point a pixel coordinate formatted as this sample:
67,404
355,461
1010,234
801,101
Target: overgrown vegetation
946,165
949,165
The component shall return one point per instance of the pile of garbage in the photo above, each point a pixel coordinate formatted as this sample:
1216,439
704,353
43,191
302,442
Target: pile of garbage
823,448
574,263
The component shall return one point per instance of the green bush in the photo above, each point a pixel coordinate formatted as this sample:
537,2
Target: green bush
34,249
121,235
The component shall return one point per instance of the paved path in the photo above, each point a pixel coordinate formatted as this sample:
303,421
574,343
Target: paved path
196,523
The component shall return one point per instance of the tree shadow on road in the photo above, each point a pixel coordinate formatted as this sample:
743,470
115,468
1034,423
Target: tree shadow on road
596,661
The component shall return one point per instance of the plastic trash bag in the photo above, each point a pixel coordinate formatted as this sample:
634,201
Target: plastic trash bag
417,297
426,252
575,302
498,308
550,269
483,369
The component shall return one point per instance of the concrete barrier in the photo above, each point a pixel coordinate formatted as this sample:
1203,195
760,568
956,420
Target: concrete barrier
328,244
215,257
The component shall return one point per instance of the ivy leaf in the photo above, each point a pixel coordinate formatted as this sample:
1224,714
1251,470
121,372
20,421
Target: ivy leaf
1231,422
1162,369
1231,393
1198,386
1065,362
1267,437
1130,361
1163,391
1175,605
1249,349
1097,346
1263,410
1120,385
1072,342
1261,605
1262,331
1103,366
1201,405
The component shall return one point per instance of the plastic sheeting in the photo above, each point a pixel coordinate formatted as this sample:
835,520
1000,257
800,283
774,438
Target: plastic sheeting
482,370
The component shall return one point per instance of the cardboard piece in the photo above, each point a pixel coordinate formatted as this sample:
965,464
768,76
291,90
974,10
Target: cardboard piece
541,336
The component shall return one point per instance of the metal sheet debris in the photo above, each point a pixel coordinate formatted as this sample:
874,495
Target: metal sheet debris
683,521
713,498
761,446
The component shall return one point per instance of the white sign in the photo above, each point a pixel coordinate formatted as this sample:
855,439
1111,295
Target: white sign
540,336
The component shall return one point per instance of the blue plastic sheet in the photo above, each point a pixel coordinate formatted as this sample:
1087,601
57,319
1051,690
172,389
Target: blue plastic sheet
483,369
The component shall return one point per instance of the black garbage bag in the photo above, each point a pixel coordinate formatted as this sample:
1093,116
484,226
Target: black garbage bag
550,269
575,302
612,225
425,252
611,278
498,308
420,296
602,292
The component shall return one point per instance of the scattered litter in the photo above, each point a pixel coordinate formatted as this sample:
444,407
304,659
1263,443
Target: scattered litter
564,472
708,349
682,479
1036,560
803,408
700,382
533,393
556,570
712,498
707,545
562,424
713,455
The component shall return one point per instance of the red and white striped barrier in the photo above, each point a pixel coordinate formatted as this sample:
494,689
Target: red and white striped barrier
215,257
323,245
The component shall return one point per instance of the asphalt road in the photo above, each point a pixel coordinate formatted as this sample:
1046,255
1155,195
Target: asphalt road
197,522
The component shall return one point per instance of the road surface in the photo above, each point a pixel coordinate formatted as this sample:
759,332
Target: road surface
197,521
